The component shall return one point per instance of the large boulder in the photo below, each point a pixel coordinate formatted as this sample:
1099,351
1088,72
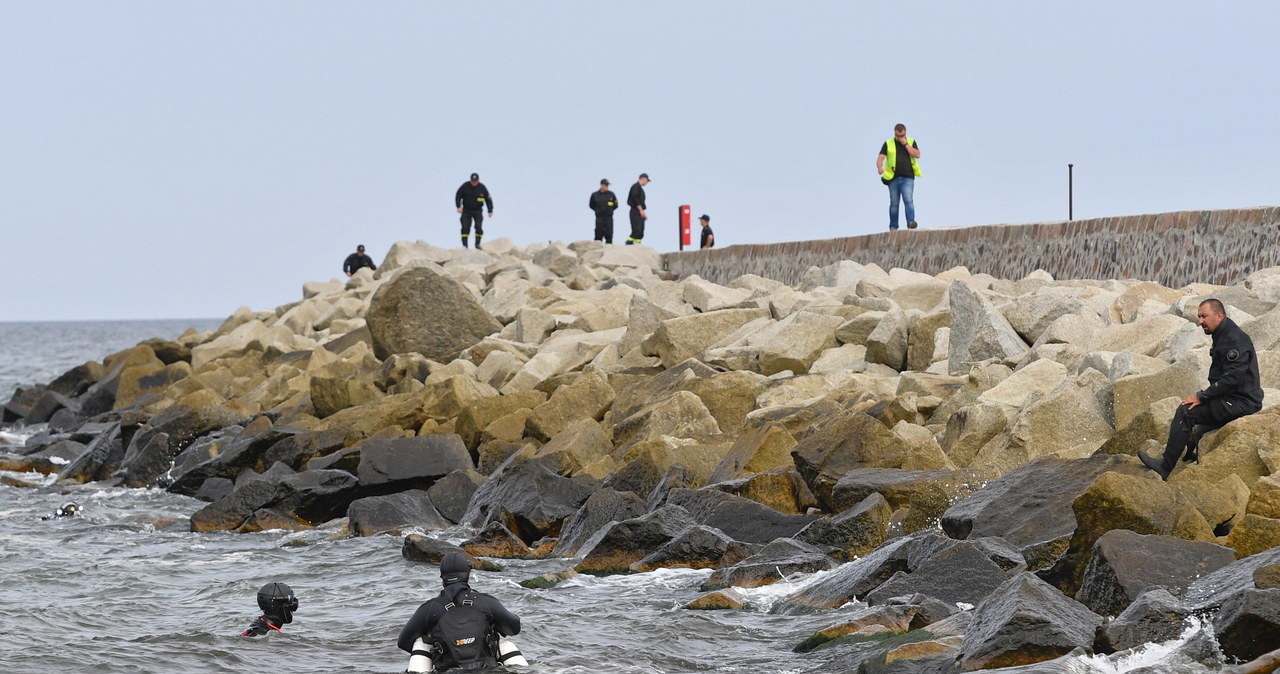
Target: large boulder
756,451
844,442
743,519
960,573
852,533
856,579
978,330
697,547
393,512
599,510
529,499
775,561
920,496
683,337
587,397
624,543
1156,615
1248,625
424,310
1125,564
410,463
1025,621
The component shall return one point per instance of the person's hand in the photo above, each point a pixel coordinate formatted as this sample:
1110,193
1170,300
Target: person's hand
491,214
644,216
459,209
1192,401
348,273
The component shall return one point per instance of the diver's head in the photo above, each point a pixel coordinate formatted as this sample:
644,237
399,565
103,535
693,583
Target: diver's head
455,567
68,509
278,601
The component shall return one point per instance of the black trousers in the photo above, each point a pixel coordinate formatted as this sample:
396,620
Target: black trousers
469,217
637,227
1190,424
604,229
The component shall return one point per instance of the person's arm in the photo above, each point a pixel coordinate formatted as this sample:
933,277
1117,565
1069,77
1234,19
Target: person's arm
880,160
457,198
912,149
417,626
505,622
711,240
591,201
347,266
488,200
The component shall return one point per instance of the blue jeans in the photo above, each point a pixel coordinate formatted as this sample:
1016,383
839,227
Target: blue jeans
904,187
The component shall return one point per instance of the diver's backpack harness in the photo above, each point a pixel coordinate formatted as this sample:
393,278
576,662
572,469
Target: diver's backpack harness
464,632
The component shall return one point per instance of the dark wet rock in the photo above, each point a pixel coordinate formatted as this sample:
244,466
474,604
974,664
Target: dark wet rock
495,540
1025,621
780,558
452,493
698,547
881,619
277,472
1125,564
147,457
604,506
47,404
624,543
314,496
998,550
640,476
269,519
424,310
298,446
743,519
847,441
528,499
676,477
419,548
1156,615
168,351
961,573
64,420
214,488
854,580
1248,625
719,600
247,449
410,463
854,531
184,423
48,459
99,461
925,493
1030,506
198,462
232,510
20,404
928,610
393,512
77,380
1213,590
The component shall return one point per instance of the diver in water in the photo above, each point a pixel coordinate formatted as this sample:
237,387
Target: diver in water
460,628
278,603
68,509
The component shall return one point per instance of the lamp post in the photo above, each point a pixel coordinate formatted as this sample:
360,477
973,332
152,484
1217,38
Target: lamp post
1070,190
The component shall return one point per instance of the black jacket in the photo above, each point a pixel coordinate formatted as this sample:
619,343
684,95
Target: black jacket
635,198
603,203
355,262
1233,375
473,198
424,620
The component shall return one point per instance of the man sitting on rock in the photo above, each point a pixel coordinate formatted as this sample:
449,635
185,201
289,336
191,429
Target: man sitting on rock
1234,390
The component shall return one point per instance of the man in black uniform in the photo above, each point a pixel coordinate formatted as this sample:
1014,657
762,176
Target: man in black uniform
604,203
278,603
708,237
357,261
635,199
460,623
472,199
1235,390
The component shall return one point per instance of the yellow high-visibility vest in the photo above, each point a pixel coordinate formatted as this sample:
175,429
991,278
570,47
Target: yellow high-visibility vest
891,159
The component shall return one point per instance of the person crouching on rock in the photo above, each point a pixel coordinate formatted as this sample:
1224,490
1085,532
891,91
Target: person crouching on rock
1235,389
460,627
278,604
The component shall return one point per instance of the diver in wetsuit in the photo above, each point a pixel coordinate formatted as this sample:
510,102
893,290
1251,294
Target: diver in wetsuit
460,625
278,603
68,509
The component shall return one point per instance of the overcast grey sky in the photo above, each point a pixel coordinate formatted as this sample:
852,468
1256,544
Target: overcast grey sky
180,159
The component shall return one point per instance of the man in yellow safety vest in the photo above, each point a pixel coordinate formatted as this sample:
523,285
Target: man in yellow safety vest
900,173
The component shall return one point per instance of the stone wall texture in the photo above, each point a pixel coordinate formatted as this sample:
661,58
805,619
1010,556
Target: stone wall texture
1172,249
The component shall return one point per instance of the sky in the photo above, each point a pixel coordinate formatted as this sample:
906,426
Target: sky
180,159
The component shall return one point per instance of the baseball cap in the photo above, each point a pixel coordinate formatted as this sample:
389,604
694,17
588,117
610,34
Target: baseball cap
706,217
604,181
360,248
646,176
475,176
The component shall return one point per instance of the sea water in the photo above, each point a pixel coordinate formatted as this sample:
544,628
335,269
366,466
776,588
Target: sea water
128,588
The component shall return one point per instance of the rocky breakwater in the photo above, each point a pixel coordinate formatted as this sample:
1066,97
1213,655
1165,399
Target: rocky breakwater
954,452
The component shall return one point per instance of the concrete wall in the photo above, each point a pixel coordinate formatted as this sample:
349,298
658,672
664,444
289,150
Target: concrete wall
1172,249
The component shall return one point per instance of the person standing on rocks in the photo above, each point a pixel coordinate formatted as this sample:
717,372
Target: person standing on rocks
460,627
1235,390
278,603
472,199
899,169
357,261
604,202
708,237
635,199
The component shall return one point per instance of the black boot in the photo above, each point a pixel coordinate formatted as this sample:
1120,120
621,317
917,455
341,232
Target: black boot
464,242
1154,464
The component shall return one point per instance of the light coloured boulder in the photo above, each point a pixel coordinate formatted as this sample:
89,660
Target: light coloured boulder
707,296
1132,303
588,397
425,311
678,339
887,344
843,274
558,259
565,351
1264,283
1147,336
616,257
1040,378
857,329
970,429
533,325
315,288
342,308
756,451
507,295
643,318
498,368
1069,421
1080,330
1032,314
922,295
845,357
978,331
1133,394
680,415
922,338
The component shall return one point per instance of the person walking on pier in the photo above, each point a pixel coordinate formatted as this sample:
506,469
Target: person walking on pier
604,202
899,169
708,237
472,199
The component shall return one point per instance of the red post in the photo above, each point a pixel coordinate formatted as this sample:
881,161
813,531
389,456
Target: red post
686,231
